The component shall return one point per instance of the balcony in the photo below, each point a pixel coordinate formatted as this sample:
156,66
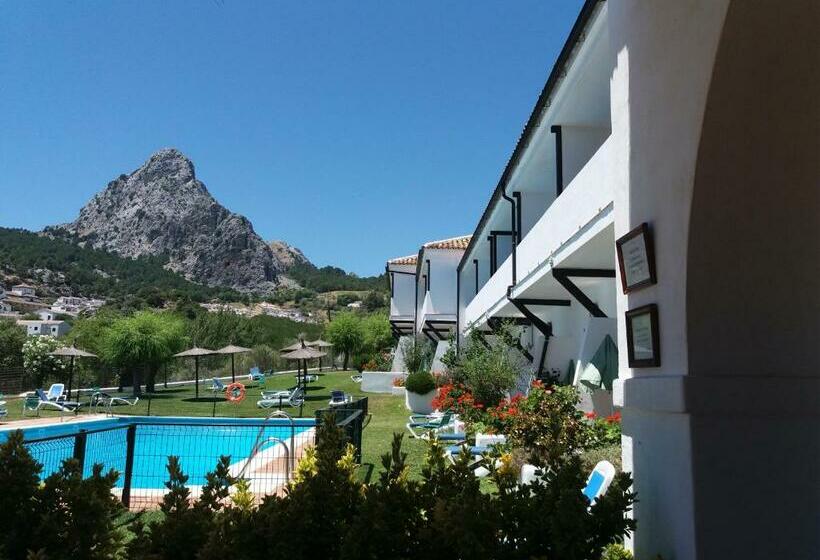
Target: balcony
582,211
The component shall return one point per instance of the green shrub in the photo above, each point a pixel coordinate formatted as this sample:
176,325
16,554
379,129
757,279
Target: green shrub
417,353
616,552
324,513
487,369
549,425
63,517
420,383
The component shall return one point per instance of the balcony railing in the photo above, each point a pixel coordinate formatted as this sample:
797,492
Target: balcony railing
582,201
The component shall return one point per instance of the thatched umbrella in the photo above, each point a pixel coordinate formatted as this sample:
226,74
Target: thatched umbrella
294,346
195,353
71,352
319,343
303,354
233,350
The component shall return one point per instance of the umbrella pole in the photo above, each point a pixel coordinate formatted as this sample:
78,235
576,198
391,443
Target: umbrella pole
70,376
196,374
233,371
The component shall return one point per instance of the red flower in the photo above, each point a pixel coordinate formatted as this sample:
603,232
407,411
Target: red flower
591,415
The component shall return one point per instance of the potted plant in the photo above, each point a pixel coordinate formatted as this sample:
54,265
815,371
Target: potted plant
398,386
420,390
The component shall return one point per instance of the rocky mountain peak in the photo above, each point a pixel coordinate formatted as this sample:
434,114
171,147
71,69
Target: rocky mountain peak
162,209
286,254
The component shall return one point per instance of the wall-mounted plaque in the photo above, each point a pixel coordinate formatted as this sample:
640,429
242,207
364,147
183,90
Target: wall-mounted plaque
636,258
642,337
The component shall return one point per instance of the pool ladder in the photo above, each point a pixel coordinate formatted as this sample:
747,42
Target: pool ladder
290,450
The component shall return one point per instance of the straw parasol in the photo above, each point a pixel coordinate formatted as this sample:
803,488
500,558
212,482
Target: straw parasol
233,350
294,346
71,352
195,353
319,343
303,354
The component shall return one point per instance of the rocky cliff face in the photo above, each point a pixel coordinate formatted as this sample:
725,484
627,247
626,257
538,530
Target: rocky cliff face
162,209
287,255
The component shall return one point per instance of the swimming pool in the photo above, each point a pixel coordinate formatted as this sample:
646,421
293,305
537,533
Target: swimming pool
198,442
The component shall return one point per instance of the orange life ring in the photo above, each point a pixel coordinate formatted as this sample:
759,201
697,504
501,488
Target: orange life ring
235,392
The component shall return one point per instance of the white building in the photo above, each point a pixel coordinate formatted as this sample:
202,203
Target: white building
44,327
401,273
74,305
698,118
436,312
46,314
543,254
23,290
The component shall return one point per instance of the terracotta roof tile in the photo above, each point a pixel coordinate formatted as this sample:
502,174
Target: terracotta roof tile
409,259
455,243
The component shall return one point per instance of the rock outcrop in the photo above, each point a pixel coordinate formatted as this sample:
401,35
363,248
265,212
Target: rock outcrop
287,255
162,209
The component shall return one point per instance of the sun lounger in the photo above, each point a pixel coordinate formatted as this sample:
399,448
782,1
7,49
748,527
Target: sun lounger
270,399
356,378
3,410
338,398
419,429
56,392
39,401
99,398
256,375
217,386
599,480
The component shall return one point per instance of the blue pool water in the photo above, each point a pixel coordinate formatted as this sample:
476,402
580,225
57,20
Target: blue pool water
198,442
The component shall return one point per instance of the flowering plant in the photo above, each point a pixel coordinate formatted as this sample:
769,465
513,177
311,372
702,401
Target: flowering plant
398,381
38,361
548,424
604,431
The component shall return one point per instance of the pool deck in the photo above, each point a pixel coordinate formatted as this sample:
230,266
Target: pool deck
40,421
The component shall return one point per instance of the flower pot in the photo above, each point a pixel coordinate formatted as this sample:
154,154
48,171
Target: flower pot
397,391
419,404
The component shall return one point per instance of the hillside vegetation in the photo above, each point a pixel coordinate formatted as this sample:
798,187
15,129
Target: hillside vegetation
59,266
331,278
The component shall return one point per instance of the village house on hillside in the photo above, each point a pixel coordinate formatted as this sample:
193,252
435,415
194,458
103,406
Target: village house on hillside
37,327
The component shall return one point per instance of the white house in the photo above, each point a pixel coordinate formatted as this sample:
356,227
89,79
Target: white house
401,273
46,314
436,312
23,290
543,254
698,120
679,116
44,327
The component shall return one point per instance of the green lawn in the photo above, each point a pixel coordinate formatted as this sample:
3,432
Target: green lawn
388,414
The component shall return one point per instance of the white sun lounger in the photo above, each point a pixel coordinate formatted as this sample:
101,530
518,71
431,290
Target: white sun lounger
270,399
39,401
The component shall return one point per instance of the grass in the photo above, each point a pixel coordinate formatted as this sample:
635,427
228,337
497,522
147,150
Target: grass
388,414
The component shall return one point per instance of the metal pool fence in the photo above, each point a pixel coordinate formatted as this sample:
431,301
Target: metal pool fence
263,453
352,417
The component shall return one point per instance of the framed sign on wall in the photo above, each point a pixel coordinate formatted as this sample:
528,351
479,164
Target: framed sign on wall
636,258
642,337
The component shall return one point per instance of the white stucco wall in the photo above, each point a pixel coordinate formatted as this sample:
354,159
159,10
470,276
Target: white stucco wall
403,300
441,299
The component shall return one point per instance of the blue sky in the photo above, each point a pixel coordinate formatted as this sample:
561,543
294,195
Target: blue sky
355,130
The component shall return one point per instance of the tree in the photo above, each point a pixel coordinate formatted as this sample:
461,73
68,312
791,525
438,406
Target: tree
377,334
143,342
346,334
12,338
373,301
